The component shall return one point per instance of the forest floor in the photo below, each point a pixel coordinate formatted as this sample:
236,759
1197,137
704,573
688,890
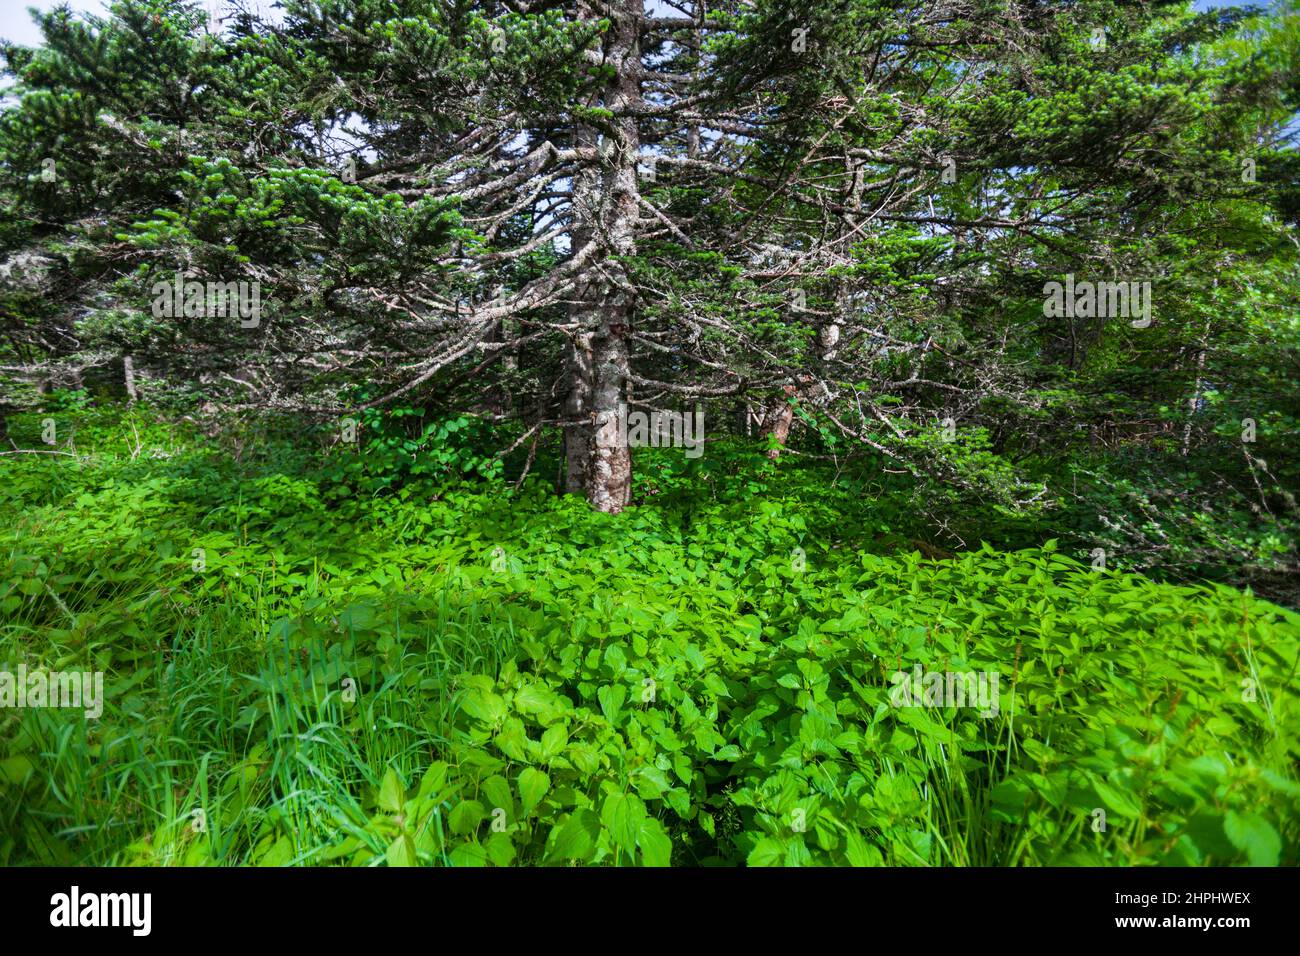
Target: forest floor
735,670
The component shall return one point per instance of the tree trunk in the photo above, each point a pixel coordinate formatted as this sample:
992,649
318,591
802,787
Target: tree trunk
606,205
128,376
577,429
777,421
609,480
1194,400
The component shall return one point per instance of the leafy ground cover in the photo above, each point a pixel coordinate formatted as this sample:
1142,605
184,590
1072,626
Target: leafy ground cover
306,668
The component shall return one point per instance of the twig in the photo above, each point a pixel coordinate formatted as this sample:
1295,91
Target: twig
39,451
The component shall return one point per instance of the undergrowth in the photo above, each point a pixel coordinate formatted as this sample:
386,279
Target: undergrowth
304,668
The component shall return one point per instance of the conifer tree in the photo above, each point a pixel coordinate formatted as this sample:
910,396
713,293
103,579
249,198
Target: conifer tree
844,210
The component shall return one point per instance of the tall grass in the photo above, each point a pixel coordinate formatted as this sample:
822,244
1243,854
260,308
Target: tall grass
221,715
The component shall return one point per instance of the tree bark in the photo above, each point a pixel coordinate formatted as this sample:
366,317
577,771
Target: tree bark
777,421
609,480
577,429
128,376
1194,400
606,204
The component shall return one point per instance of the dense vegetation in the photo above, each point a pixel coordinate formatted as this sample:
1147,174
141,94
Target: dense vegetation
321,339
354,676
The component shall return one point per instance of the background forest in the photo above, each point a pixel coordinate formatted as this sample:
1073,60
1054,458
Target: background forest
536,432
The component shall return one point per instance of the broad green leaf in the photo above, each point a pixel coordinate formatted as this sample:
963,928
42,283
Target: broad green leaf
496,789
468,855
622,815
1116,800
401,852
611,699
656,845
391,796
767,852
575,838
553,742
434,779
465,817
500,849
1254,836
483,705
533,785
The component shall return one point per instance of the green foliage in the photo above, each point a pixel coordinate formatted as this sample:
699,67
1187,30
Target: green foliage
393,445
386,653
66,400
458,676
